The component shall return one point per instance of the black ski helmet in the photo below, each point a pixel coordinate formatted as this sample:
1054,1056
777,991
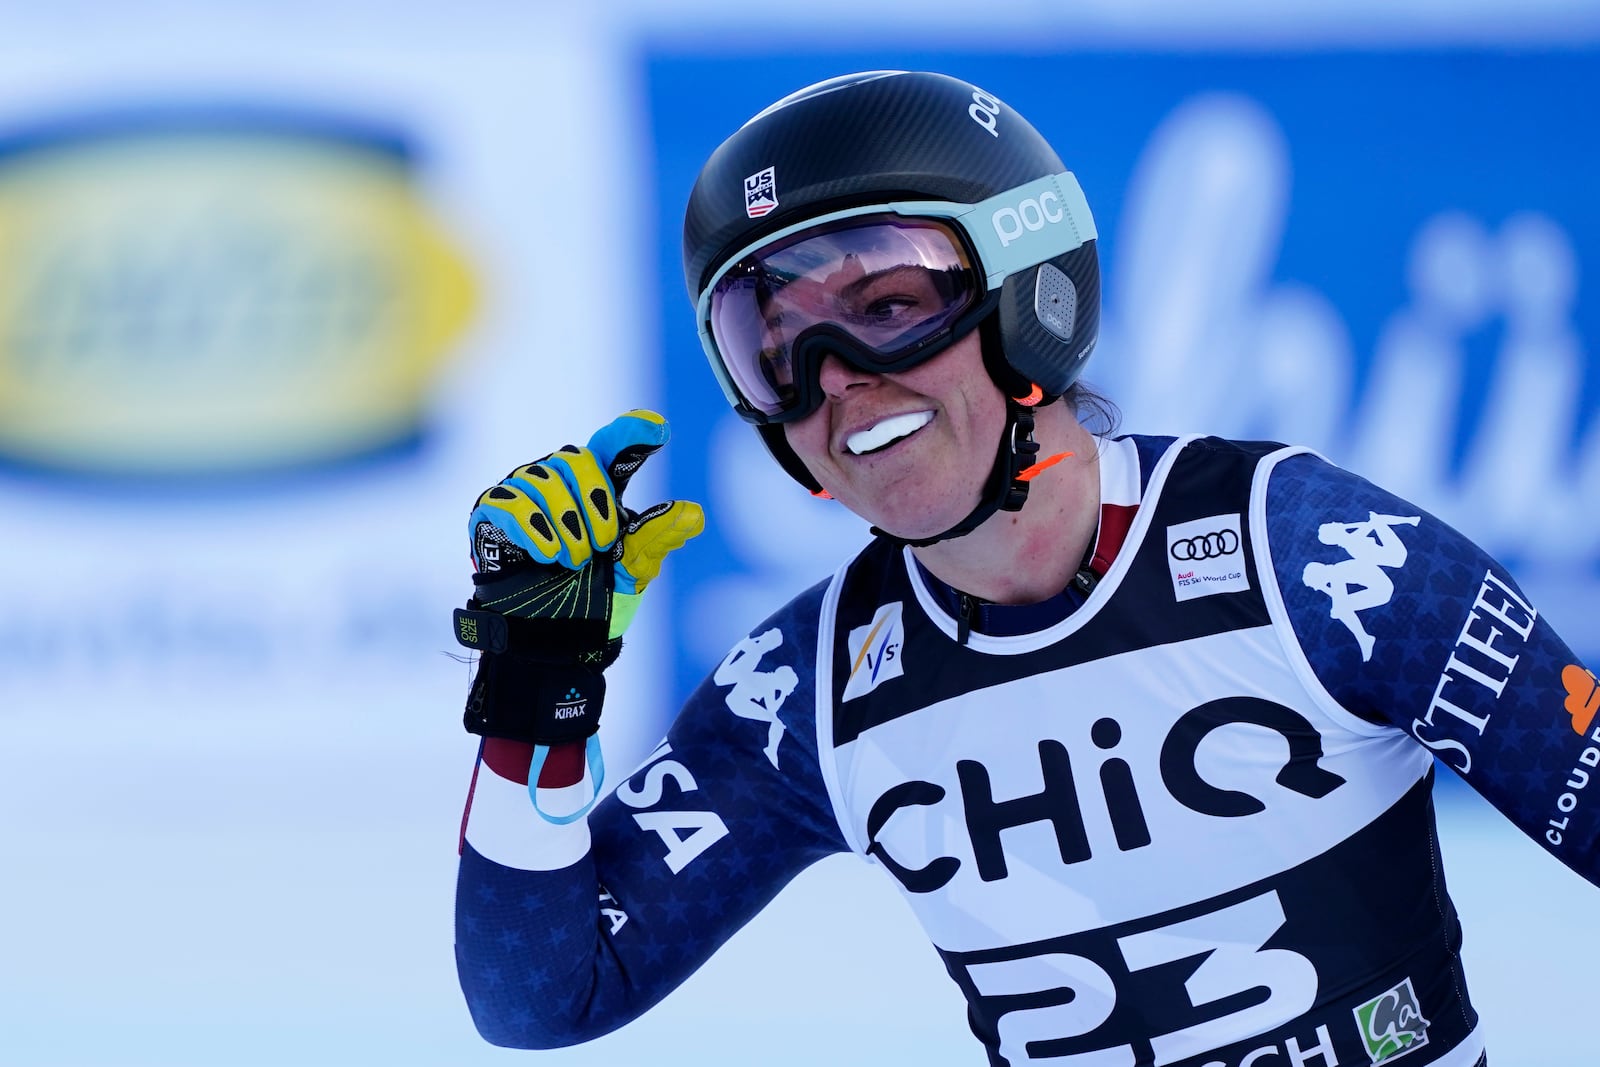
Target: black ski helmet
880,137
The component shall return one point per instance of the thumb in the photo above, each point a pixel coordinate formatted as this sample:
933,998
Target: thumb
651,537
622,445
648,540
655,535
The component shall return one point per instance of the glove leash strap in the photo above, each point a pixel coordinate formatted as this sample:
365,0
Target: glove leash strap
597,772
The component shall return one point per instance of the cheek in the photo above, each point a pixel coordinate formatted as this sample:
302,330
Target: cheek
808,439
976,409
991,408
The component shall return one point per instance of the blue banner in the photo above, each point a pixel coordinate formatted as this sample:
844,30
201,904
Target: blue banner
1380,255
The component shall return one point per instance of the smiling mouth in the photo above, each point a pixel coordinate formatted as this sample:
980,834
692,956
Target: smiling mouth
881,435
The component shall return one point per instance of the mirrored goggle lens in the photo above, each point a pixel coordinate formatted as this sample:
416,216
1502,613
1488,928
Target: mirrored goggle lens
893,284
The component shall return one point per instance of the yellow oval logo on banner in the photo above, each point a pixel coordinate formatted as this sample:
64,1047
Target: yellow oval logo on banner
182,296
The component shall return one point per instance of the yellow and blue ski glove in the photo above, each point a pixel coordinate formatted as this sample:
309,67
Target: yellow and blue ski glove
561,566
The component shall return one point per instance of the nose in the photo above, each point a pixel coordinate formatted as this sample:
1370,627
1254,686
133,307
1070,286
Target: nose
837,377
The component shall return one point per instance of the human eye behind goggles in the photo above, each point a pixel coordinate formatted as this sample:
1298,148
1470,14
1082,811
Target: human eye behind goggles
878,307
896,299
876,290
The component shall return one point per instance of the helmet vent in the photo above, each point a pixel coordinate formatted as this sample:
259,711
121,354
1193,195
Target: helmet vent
1055,301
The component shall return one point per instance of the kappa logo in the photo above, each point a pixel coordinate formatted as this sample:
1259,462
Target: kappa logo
1392,1024
876,651
1205,558
757,694
1359,583
761,193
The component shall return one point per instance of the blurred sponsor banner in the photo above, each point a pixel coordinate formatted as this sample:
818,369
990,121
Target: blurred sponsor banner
1381,255
205,290
221,333
274,308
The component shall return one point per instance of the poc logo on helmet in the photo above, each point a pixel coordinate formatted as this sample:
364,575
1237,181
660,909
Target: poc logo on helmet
1030,216
985,111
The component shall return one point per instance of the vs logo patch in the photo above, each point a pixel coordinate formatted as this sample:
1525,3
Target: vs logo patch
876,651
1206,557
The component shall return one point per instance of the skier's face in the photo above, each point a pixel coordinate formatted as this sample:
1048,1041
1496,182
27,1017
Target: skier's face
907,451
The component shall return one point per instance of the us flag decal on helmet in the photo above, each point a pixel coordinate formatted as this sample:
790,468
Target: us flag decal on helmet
760,193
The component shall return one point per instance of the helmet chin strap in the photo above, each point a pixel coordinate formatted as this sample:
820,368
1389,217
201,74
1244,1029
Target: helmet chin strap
1006,488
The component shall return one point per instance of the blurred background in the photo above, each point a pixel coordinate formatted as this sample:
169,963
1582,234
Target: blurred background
283,286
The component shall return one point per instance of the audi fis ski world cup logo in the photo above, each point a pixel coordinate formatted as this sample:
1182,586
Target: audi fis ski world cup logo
1392,1024
1211,545
1206,557
761,193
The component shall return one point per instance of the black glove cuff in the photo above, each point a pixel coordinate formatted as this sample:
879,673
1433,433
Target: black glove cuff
542,640
522,699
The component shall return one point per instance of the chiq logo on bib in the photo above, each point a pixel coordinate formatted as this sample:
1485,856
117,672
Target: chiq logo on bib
204,292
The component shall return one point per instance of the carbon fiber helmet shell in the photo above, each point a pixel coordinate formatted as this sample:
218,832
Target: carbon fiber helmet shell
884,136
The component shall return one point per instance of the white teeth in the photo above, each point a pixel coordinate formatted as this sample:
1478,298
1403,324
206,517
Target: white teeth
890,429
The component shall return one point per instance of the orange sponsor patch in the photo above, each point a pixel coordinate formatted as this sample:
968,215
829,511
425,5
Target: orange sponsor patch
1583,696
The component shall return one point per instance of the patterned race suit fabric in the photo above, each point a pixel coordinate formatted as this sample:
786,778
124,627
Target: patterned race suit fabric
1179,819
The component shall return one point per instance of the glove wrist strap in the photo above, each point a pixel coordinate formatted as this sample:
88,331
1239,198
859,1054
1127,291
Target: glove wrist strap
597,774
538,681
585,641
522,699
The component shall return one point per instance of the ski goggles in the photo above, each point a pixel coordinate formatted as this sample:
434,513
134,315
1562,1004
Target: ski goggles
885,287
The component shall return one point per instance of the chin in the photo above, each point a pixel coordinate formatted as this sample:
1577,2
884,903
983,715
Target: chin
915,524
